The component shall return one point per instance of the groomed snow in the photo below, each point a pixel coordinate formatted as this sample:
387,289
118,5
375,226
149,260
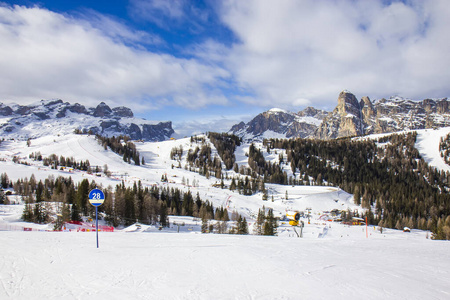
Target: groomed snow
60,265
428,145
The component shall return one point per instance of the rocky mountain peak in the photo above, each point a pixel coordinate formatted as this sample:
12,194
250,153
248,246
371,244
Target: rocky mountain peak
102,110
345,120
280,123
123,112
347,104
309,112
5,110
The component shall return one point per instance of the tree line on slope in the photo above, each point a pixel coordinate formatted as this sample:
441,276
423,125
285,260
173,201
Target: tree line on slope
200,159
122,206
444,148
122,146
225,145
391,177
387,175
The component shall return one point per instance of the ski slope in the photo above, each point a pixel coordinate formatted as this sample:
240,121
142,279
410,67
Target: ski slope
428,145
141,262
60,265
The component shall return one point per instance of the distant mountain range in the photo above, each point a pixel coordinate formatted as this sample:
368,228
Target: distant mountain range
350,118
58,117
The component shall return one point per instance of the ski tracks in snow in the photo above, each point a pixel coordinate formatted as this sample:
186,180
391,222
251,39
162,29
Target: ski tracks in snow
13,277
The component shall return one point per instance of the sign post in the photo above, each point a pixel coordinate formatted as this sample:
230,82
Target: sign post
96,198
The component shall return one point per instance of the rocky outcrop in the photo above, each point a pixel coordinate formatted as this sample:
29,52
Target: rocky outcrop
382,116
345,120
5,110
122,112
102,110
77,109
237,127
157,132
280,123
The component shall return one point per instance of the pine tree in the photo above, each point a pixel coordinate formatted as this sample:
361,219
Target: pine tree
258,228
357,195
204,225
75,213
28,214
242,227
82,196
270,224
40,213
163,214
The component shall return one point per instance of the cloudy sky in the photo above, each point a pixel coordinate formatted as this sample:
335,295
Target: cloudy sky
207,62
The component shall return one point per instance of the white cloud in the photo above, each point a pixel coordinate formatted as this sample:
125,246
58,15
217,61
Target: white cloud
157,11
287,54
49,55
306,52
170,14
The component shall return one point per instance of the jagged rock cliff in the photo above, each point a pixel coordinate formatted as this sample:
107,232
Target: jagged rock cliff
280,123
344,120
350,118
58,117
353,118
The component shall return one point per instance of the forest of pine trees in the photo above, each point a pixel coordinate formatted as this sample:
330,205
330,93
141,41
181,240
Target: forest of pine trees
122,146
393,179
56,162
265,224
226,146
123,205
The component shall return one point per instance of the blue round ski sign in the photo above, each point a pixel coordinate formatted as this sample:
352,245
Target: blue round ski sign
96,197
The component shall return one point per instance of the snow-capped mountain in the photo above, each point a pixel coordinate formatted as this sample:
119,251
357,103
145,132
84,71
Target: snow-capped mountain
281,123
58,118
350,118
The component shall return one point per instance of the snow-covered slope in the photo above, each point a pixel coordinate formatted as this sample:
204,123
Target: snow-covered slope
428,145
332,260
52,265
158,163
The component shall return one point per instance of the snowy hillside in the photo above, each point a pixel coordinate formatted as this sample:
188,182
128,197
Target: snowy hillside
427,144
158,163
330,260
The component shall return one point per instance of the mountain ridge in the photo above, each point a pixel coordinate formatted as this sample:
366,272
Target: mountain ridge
56,116
351,117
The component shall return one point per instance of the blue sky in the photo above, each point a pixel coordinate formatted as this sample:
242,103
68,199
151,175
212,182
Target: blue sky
206,65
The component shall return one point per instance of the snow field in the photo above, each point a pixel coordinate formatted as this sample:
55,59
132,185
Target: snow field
55,265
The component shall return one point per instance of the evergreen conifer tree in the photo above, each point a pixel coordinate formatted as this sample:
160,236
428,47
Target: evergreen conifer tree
259,225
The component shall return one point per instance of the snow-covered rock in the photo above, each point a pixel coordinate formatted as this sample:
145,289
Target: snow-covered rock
56,117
